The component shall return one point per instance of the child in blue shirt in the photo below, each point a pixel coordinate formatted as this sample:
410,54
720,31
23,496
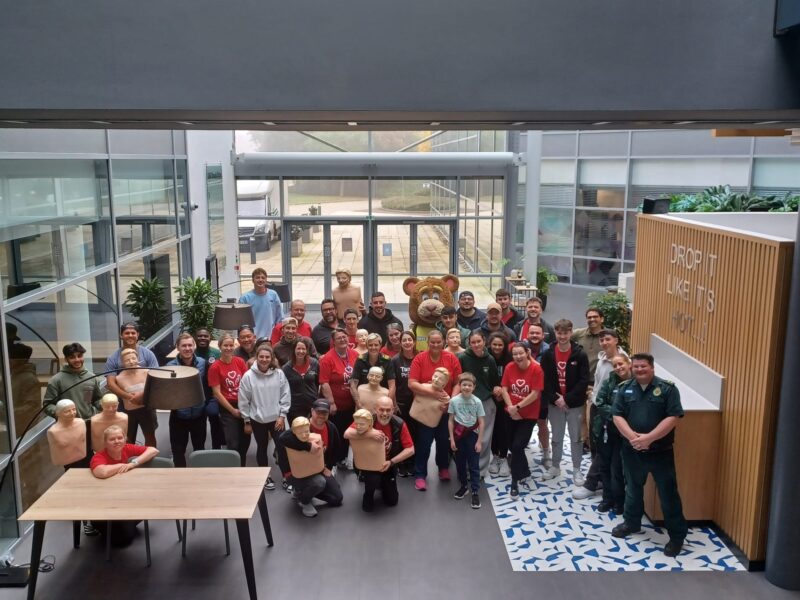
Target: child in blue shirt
466,431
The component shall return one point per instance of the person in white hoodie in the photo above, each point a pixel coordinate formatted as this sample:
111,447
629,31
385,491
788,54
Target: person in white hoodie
264,400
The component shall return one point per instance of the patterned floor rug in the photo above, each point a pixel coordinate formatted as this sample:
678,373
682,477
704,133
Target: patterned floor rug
546,529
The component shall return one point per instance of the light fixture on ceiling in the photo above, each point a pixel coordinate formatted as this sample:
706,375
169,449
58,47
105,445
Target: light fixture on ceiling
518,123
767,122
184,123
270,123
352,124
15,122
602,123
434,123
684,122
101,122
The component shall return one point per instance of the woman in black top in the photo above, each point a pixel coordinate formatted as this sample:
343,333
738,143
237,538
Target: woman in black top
402,396
302,372
501,439
371,358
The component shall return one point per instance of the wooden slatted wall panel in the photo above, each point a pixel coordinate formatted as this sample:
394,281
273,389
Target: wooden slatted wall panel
741,338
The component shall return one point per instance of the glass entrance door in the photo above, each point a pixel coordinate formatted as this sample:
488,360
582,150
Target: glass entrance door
317,250
406,248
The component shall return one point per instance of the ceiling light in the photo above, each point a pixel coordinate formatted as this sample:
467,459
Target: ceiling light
684,122
518,123
184,122
270,123
352,124
767,122
100,122
16,122
434,123
602,123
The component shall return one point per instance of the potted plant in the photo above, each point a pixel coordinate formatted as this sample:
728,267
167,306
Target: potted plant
145,301
544,277
616,313
196,302
296,235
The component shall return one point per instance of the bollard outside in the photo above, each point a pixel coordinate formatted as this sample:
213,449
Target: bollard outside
252,250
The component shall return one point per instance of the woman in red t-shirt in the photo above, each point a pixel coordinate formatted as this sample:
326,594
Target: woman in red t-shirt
113,459
335,371
392,348
224,377
422,369
523,382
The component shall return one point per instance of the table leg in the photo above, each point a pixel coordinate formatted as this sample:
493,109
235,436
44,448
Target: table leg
108,541
36,555
262,508
243,529
76,534
147,541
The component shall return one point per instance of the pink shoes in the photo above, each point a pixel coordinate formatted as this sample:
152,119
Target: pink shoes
419,484
444,474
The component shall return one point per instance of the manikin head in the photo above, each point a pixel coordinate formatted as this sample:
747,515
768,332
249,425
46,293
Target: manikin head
374,376
343,277
440,378
301,428
361,337
130,358
66,411
453,338
363,420
110,404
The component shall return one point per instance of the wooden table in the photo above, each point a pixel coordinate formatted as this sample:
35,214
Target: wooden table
150,494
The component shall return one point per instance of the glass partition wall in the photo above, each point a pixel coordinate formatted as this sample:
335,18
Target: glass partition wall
75,234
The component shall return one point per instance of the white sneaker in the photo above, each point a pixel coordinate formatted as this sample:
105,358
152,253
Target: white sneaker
582,493
309,510
494,466
578,478
348,463
547,459
551,473
318,502
334,470
505,470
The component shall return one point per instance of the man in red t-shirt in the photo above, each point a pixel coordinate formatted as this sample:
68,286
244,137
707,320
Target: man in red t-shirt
335,371
523,382
298,311
399,447
118,456
566,377
419,376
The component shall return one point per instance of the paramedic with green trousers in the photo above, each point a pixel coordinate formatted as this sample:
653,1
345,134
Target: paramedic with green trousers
646,410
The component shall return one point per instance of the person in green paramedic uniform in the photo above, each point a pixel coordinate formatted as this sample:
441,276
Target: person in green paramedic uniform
646,410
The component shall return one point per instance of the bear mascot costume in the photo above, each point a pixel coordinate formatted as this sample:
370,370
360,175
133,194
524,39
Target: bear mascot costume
426,299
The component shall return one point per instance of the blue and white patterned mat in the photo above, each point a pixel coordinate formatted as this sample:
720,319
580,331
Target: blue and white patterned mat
546,529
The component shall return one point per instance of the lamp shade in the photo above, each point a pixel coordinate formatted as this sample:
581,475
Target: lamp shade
173,387
282,289
229,316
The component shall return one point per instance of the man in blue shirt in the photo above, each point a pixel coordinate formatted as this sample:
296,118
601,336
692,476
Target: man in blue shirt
188,422
267,308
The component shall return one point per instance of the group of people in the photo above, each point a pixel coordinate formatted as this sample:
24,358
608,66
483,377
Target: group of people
478,387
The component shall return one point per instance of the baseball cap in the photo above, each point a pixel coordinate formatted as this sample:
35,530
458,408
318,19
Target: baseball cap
466,293
494,306
321,405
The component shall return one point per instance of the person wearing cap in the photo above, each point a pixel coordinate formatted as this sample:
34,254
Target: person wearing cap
267,307
331,439
347,295
510,315
129,334
493,323
469,316
86,396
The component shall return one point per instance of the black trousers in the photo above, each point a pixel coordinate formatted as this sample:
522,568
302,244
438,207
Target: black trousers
500,433
262,432
342,419
405,414
180,430
520,435
235,437
217,433
385,481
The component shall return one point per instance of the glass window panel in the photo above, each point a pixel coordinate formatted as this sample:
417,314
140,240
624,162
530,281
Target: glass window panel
413,197
216,214
162,266
85,312
598,233
296,141
144,203
603,172
630,234
555,230
54,221
695,172
8,512
184,209
433,250
482,197
482,287
606,143
561,266
601,196
557,171
37,473
394,258
259,226
393,141
481,245
557,195
519,231
776,173
327,197
558,144
601,273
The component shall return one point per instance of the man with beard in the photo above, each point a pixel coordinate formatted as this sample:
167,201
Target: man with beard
322,332
85,396
378,317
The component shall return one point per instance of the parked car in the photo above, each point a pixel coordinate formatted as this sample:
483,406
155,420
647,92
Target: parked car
257,217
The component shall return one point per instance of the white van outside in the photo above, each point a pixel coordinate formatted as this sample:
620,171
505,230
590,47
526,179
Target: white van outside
257,217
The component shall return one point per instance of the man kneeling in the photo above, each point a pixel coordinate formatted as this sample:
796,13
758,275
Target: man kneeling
392,432
312,479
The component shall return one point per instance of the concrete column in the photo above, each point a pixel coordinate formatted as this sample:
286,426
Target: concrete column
530,246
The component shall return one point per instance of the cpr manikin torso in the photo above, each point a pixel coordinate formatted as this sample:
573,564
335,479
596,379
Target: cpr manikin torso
306,463
369,454
67,437
346,295
110,416
131,381
428,409
368,393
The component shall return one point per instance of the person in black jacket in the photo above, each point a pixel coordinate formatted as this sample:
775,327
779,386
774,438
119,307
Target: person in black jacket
378,317
566,379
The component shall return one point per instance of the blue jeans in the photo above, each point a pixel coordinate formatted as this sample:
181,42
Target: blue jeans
466,457
425,438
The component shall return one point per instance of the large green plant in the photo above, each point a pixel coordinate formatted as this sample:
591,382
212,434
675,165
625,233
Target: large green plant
544,277
146,302
721,199
616,312
196,302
